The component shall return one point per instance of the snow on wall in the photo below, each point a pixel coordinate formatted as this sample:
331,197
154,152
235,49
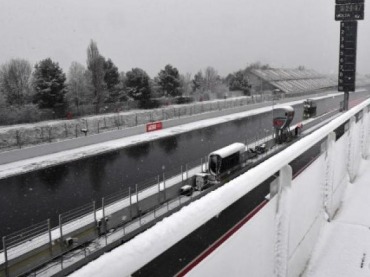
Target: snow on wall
306,211
282,221
366,140
306,214
354,148
340,161
340,176
251,249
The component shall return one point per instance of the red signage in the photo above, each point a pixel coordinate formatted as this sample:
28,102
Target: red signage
278,122
153,126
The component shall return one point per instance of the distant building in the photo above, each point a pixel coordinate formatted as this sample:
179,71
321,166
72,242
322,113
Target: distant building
288,81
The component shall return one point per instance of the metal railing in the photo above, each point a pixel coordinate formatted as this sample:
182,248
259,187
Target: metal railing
127,210
69,129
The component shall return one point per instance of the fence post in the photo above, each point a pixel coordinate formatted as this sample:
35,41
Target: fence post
182,177
17,136
5,257
76,131
164,187
94,208
103,207
103,210
187,171
130,207
50,241
137,204
65,127
159,190
98,126
49,131
201,165
61,229
165,192
104,220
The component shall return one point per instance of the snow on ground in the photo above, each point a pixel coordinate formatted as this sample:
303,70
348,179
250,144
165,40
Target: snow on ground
344,247
23,166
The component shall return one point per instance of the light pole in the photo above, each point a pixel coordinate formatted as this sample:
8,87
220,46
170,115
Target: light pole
275,93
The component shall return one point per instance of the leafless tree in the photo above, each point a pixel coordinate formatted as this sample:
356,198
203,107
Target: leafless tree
211,79
15,81
79,88
185,81
95,64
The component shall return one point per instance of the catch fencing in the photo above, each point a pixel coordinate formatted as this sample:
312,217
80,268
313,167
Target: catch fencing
93,227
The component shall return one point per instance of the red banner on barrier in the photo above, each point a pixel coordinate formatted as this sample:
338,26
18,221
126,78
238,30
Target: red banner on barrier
154,126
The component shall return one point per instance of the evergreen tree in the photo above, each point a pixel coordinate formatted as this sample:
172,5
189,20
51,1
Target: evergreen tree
49,85
239,81
95,64
198,82
169,81
111,75
138,84
112,81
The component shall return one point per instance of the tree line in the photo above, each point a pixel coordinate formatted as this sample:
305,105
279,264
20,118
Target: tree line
30,91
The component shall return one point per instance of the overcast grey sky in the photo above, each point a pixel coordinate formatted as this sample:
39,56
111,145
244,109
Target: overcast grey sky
189,34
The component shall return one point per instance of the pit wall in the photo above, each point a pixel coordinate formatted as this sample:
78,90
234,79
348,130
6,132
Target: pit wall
279,240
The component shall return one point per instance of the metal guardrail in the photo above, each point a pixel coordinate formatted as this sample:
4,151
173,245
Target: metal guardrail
87,222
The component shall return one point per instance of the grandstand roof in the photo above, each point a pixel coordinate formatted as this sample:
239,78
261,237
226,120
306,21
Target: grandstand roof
294,80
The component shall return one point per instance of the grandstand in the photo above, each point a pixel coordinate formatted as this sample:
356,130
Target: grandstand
289,81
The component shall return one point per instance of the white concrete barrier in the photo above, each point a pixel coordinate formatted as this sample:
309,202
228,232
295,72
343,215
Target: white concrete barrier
279,239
